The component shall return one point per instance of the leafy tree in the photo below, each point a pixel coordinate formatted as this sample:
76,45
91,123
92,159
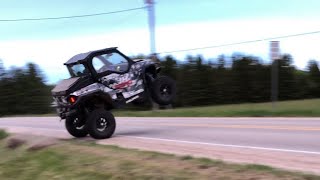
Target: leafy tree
314,78
23,91
169,67
199,82
287,79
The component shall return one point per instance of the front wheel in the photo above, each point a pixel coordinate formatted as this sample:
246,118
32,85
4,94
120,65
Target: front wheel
101,124
75,126
163,90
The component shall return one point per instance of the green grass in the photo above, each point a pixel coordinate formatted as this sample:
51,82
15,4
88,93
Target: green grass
83,160
3,134
297,108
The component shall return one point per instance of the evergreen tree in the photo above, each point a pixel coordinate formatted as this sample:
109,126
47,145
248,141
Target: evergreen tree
314,78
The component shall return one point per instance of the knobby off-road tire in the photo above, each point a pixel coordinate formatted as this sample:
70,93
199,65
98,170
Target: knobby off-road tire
75,126
163,90
101,124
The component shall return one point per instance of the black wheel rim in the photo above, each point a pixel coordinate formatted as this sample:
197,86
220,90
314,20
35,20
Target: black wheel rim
78,124
165,91
102,124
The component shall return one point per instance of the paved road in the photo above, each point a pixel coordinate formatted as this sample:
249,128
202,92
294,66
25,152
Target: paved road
293,134
271,135
301,134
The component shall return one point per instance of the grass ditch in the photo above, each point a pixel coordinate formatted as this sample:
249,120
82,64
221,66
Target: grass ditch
3,134
78,159
293,108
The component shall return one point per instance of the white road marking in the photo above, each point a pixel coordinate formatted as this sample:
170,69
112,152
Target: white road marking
224,145
187,142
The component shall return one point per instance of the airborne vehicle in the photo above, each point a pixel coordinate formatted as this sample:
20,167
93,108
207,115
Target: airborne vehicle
102,80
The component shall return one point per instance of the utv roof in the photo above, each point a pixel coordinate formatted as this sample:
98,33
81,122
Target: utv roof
83,56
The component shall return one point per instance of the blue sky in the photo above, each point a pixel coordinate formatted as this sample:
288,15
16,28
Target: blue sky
181,24
167,11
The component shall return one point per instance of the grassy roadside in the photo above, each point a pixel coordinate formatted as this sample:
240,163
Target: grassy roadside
3,134
84,160
298,108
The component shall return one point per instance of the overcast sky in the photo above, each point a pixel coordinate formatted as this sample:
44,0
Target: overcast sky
180,24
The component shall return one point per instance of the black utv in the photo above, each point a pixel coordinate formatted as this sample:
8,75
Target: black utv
102,80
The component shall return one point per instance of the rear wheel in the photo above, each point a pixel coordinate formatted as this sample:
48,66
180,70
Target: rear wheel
163,90
101,124
76,126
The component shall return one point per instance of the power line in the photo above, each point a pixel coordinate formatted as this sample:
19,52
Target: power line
243,42
71,17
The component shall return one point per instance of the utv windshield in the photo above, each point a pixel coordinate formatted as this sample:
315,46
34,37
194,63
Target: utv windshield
77,70
113,61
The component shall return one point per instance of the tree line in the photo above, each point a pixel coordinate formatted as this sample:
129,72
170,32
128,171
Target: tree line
23,91
237,79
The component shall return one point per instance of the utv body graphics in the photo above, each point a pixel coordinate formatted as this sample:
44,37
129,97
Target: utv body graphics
102,80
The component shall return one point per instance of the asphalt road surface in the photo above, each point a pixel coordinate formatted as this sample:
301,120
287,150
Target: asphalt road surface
295,140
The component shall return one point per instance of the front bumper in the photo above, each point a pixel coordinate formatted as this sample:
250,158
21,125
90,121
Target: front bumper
63,108
64,112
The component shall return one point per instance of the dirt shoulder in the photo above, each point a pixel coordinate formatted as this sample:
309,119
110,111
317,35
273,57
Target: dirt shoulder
284,160
81,159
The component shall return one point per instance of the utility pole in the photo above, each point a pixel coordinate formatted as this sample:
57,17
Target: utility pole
153,55
151,15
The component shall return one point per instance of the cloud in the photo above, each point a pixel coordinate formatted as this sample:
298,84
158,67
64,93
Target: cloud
51,54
